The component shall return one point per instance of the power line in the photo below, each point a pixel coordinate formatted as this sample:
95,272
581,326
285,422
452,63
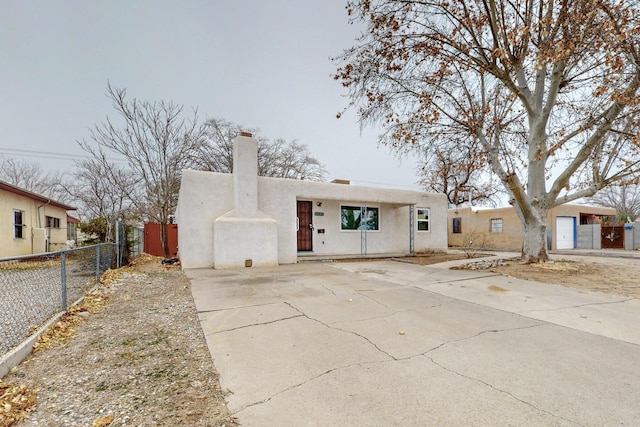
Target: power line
49,154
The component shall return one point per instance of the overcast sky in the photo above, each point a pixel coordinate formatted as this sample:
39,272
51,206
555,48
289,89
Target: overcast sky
263,64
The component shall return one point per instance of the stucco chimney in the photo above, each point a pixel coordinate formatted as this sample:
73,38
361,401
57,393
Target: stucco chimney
245,236
245,174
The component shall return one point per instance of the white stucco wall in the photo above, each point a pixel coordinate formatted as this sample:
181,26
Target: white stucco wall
244,242
278,199
205,196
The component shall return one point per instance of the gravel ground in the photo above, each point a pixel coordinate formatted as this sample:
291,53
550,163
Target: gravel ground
141,360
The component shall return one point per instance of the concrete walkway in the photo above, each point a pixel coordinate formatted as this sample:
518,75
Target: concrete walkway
386,343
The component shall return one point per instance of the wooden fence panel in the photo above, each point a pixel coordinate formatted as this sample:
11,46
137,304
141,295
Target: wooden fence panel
153,244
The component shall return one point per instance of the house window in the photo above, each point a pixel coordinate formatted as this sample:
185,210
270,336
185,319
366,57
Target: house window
357,218
17,224
496,225
457,225
71,231
53,222
423,219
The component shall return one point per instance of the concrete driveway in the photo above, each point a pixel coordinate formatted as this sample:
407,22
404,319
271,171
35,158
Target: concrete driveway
393,344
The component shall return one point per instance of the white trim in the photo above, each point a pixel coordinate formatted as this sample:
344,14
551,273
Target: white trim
418,220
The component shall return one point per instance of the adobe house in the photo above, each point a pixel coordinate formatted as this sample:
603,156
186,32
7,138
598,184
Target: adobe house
241,219
31,223
500,228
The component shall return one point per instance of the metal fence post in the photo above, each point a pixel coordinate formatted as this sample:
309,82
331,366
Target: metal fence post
63,279
118,238
97,264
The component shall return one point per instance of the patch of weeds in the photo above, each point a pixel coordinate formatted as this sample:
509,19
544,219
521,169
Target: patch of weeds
128,341
137,401
161,373
128,355
117,386
97,343
162,339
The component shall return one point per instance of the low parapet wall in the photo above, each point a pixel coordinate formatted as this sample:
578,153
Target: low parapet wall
589,236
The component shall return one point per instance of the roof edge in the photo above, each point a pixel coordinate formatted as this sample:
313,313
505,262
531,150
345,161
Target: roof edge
37,197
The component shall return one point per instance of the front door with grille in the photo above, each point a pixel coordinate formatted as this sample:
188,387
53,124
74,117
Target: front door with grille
305,226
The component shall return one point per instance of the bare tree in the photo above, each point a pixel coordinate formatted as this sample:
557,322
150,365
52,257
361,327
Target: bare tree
293,160
549,89
625,198
277,158
156,143
459,173
98,196
31,177
216,154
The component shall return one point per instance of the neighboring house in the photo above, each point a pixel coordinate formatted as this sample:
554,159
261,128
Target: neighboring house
240,219
30,223
72,228
500,228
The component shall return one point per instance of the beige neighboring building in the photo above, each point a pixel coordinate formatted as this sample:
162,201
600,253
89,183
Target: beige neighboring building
30,223
500,228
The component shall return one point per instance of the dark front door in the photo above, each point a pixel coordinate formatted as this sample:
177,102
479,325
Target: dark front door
305,226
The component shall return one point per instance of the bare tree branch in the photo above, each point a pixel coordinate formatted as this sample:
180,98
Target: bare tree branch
277,158
156,142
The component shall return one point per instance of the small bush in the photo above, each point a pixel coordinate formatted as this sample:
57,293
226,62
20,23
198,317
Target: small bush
473,242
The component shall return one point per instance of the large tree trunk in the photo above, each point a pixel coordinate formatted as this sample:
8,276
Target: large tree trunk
164,238
534,247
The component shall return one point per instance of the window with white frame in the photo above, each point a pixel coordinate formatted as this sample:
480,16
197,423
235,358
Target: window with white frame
496,225
359,218
423,218
18,224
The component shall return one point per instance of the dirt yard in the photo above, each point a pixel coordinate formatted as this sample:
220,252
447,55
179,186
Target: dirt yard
619,276
615,275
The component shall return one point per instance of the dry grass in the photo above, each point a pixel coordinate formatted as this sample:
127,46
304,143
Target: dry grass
64,329
15,402
558,266
617,276
30,265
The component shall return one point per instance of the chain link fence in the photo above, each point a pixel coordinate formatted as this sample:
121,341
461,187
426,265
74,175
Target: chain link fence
34,288
135,239
129,242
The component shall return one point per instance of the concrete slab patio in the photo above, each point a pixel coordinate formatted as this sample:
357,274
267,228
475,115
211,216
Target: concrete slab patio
385,343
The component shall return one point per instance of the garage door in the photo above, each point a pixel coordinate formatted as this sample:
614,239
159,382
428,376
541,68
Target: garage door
565,229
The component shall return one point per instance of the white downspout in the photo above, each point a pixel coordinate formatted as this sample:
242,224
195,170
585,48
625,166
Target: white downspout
40,226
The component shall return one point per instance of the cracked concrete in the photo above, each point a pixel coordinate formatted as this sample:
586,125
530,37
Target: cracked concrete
386,343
